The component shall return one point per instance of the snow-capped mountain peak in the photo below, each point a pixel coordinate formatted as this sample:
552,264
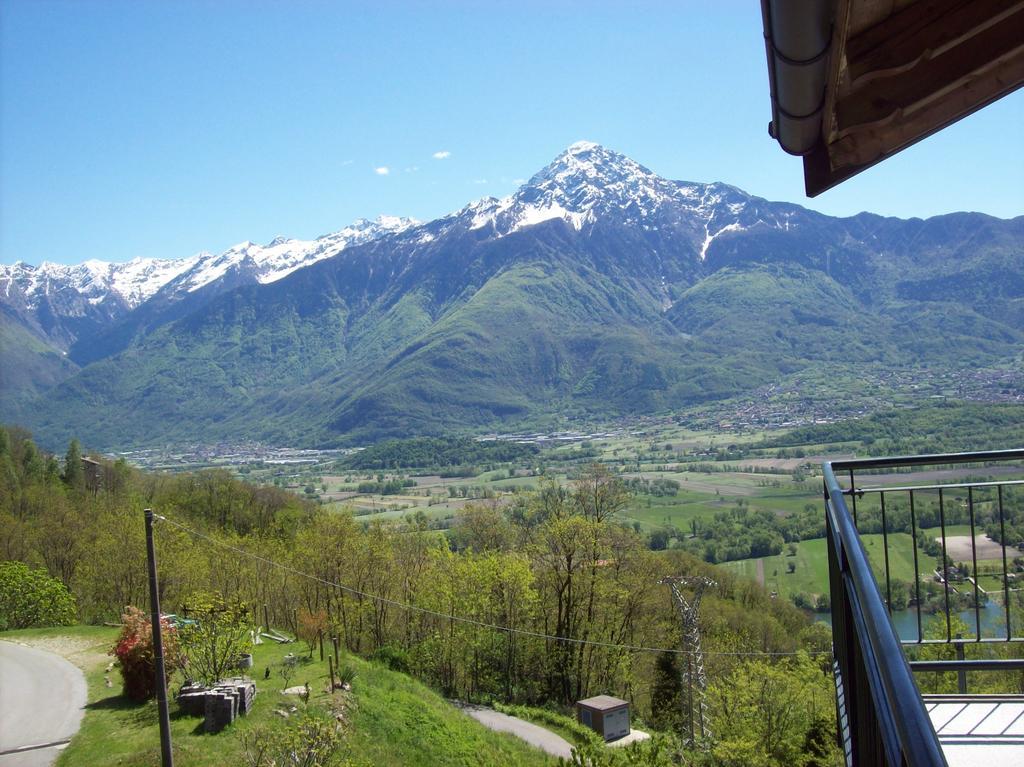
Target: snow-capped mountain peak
582,183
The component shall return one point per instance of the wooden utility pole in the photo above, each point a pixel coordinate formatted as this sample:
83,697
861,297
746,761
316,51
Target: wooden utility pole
166,755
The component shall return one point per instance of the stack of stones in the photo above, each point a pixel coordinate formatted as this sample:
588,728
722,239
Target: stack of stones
219,704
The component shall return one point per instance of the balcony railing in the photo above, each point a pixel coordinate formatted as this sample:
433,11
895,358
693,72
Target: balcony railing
957,517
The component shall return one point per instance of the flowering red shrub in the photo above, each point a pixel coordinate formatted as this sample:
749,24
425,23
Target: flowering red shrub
134,651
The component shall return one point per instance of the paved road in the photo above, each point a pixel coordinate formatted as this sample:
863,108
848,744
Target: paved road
42,698
531,733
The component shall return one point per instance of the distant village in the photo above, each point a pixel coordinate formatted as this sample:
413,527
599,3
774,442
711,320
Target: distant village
799,401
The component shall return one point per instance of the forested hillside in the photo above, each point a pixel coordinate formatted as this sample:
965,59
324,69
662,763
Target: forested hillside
484,615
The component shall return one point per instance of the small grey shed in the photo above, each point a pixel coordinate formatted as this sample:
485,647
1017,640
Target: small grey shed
606,715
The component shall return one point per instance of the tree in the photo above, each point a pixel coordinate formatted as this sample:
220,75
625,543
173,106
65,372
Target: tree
31,598
600,495
33,466
666,693
480,528
74,474
767,713
311,624
217,637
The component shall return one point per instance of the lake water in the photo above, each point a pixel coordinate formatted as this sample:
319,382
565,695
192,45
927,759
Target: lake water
993,621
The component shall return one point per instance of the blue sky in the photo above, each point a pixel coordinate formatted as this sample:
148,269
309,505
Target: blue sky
161,129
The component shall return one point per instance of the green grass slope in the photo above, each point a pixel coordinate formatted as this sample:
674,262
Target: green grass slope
389,717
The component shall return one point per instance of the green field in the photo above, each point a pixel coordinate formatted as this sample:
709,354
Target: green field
811,560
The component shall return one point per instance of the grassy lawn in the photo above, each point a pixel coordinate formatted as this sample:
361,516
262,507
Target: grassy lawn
391,718
653,512
810,575
746,568
523,483
398,721
811,560
702,495
562,725
993,584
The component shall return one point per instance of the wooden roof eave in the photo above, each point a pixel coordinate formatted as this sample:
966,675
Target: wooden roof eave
896,77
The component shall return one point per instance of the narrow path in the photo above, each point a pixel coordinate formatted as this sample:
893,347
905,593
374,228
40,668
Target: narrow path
760,571
531,733
42,700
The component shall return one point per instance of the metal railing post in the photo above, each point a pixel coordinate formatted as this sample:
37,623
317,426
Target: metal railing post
961,674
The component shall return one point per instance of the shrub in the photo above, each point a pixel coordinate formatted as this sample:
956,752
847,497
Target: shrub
580,733
395,658
136,657
311,740
346,674
289,663
31,598
803,600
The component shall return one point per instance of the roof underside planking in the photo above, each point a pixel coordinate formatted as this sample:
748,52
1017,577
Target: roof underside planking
855,81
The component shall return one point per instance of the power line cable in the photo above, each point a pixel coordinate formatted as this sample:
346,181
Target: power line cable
457,618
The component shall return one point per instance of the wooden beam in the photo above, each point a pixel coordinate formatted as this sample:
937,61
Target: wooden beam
931,78
925,29
871,143
831,165
819,175
920,69
836,68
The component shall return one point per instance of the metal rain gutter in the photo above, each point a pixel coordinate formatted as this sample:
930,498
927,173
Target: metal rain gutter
797,40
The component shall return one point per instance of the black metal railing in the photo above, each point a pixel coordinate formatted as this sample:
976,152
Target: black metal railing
882,717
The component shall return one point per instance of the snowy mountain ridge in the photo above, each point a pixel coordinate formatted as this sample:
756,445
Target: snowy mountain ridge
585,182
134,282
281,256
587,186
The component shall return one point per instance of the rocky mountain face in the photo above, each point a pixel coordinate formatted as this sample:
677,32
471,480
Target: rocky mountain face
596,289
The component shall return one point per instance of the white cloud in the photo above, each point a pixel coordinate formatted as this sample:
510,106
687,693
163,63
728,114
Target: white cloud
444,154
383,170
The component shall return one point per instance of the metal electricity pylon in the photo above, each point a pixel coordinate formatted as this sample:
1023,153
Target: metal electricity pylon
695,681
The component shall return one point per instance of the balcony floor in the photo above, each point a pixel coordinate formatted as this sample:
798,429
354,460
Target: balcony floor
979,730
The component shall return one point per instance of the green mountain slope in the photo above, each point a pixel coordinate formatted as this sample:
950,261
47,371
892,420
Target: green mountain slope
30,365
647,296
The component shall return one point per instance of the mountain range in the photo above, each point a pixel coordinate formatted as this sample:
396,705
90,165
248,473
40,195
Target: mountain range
598,289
